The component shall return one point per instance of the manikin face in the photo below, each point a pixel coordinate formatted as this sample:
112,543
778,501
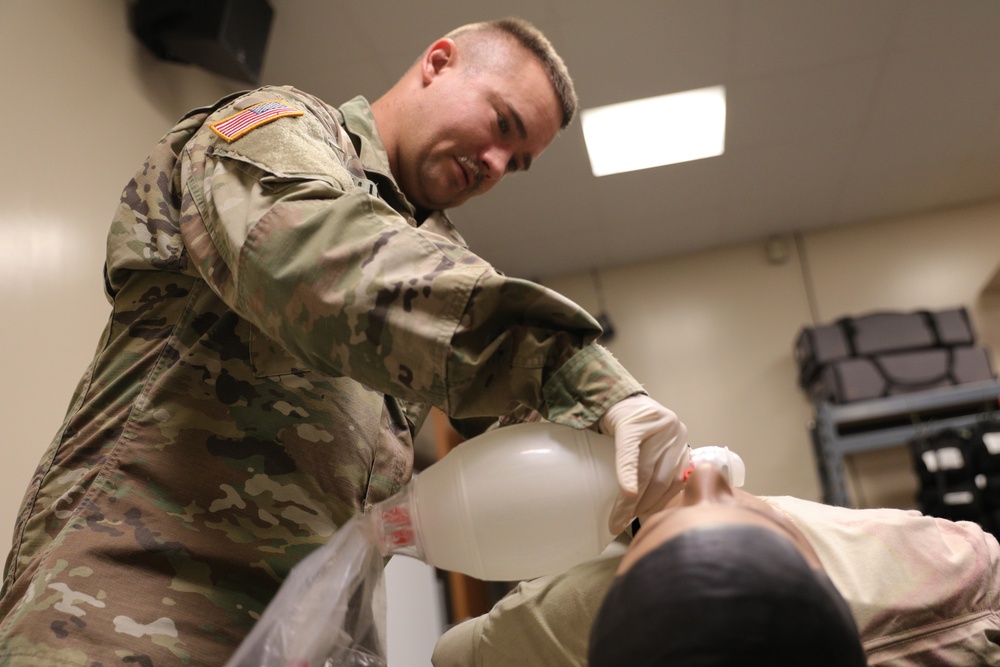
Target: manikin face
718,578
469,127
708,500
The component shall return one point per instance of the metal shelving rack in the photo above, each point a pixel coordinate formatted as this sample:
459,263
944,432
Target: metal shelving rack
842,430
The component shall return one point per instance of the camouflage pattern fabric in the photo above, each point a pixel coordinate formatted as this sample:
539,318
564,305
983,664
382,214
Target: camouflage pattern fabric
276,336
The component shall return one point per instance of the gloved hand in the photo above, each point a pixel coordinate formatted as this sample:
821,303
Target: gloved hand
651,453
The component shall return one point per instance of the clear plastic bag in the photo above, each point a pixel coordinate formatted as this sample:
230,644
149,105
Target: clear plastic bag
329,612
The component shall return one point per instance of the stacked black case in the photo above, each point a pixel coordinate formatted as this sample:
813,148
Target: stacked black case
888,353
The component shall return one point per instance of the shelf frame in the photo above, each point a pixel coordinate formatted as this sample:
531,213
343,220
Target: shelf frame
839,431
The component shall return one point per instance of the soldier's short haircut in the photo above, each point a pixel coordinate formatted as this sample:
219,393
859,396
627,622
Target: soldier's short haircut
532,39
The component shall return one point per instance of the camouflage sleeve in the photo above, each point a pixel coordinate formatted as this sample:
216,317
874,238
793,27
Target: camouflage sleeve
276,224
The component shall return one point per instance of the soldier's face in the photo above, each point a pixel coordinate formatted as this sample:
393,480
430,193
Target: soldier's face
475,126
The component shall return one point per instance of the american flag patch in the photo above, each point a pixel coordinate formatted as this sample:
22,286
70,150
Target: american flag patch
237,125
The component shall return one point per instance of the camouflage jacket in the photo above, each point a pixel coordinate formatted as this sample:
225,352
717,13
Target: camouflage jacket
280,322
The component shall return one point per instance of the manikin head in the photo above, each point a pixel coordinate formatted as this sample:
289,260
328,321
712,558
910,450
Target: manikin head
719,578
483,101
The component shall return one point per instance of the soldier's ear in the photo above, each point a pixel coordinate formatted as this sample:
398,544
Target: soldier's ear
439,55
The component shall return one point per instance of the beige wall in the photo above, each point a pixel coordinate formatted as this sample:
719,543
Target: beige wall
711,335
84,105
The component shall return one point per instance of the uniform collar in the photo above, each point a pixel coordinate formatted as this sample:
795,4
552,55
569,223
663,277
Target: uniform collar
357,118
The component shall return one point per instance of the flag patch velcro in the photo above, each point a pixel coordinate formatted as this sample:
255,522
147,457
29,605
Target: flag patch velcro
237,125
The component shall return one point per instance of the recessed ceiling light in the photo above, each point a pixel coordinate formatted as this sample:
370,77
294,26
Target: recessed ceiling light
655,131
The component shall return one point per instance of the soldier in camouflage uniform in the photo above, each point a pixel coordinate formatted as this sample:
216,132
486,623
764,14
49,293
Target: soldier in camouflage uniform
288,298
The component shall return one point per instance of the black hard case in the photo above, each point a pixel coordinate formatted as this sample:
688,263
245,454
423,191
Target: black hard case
876,334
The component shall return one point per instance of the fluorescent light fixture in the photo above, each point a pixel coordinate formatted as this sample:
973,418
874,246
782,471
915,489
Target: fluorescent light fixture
655,131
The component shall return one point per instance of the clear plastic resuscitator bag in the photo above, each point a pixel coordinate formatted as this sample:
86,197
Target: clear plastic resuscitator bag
329,612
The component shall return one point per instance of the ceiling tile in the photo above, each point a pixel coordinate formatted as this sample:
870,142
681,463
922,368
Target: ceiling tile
839,112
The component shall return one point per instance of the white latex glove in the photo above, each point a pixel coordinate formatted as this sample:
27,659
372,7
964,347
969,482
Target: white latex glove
651,453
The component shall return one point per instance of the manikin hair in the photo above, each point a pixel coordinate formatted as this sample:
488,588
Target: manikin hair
723,596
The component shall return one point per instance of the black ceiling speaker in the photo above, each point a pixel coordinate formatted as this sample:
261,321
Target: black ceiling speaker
227,37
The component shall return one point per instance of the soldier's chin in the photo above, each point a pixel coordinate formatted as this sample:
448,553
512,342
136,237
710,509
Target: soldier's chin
449,199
